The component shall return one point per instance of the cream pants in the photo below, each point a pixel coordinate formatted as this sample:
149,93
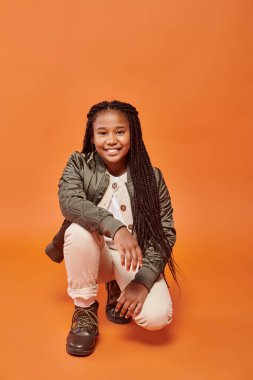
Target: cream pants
89,262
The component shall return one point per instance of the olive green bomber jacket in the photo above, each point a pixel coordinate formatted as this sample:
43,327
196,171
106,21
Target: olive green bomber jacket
81,187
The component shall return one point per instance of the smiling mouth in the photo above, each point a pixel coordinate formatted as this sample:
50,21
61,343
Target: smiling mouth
112,150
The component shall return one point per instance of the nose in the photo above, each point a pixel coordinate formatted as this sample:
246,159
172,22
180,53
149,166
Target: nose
111,139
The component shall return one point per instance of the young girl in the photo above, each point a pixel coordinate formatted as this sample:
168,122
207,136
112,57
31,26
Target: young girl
118,228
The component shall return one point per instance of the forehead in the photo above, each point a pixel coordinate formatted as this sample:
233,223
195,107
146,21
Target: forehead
110,118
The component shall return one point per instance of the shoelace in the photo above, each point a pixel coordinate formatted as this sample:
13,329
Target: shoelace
84,318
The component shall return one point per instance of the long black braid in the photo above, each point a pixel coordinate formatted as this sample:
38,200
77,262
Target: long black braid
146,215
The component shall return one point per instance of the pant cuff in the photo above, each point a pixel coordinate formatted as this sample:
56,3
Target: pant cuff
84,293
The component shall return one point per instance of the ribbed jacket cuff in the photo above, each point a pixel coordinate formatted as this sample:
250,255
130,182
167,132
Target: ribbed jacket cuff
146,277
109,226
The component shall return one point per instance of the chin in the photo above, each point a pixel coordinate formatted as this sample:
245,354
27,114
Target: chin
113,159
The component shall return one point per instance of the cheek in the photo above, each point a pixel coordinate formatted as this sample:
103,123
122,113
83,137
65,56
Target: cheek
97,141
127,147
127,140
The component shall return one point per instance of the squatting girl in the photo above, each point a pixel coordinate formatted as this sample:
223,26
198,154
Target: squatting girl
118,228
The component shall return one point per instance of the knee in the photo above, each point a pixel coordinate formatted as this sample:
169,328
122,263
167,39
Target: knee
76,233
156,318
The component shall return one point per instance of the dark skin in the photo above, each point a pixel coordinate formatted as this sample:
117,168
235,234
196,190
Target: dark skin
111,137
132,298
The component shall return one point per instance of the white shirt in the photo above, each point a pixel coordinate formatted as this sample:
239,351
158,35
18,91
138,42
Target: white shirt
114,207
117,201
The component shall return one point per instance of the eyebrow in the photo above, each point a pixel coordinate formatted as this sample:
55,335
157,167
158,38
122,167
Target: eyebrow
120,126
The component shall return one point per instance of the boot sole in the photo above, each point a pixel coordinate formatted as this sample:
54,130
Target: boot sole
122,321
76,352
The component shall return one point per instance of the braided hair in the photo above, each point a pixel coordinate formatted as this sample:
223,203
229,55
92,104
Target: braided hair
146,199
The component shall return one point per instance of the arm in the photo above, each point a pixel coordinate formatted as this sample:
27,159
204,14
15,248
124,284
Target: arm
75,206
153,264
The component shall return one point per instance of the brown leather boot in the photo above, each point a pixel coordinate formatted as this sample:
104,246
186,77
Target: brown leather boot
113,292
82,336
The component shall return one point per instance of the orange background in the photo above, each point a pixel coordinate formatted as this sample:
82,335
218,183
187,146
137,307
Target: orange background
187,67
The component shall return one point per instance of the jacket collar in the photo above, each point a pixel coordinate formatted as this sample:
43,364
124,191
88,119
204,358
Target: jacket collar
101,166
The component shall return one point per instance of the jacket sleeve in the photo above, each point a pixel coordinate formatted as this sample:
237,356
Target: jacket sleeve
153,263
75,206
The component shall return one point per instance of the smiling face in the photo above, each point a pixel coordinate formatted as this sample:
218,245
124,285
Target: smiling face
111,137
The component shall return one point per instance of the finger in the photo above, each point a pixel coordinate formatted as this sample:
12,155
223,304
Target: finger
124,308
134,260
139,255
130,310
128,260
138,309
120,303
121,295
122,256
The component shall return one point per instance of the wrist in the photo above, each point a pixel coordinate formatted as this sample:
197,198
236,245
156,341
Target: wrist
146,277
142,284
118,230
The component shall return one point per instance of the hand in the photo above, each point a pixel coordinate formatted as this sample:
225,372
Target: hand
131,299
128,248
